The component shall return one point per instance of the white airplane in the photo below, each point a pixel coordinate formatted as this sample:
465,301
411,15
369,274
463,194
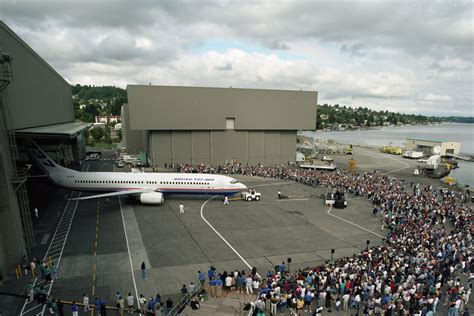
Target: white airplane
149,187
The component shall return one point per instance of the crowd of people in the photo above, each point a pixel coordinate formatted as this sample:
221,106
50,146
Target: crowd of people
424,262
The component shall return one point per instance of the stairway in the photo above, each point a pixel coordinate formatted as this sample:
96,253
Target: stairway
53,255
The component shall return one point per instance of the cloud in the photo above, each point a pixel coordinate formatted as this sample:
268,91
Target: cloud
274,44
353,49
406,56
436,97
225,67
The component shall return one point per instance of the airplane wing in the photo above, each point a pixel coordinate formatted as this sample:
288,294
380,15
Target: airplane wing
111,194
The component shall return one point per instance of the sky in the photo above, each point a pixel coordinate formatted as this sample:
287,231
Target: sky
409,56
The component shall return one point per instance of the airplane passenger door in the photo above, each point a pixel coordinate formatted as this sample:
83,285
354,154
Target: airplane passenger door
211,185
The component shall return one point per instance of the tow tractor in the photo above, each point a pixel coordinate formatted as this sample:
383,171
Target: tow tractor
250,195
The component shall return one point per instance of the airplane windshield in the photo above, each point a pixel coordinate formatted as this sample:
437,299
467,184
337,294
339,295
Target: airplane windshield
234,181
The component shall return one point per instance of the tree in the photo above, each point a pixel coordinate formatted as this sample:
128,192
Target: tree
107,137
86,136
119,134
97,133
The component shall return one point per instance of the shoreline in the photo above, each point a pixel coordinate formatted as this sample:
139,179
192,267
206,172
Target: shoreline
370,158
379,127
394,136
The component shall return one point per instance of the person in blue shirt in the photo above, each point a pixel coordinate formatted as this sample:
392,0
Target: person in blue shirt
202,277
74,309
212,284
211,273
151,305
103,307
307,300
158,299
97,306
219,288
239,283
54,271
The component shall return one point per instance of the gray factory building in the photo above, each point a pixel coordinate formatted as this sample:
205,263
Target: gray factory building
216,125
35,103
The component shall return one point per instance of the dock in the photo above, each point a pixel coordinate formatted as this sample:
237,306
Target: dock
461,156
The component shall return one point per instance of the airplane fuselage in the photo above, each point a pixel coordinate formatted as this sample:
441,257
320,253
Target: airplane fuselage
167,183
149,187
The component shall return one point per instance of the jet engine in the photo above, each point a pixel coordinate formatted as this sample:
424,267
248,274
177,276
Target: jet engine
151,198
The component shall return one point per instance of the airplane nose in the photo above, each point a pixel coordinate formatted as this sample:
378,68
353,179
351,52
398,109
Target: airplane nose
243,186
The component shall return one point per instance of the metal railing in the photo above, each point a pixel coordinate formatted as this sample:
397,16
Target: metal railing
181,304
53,255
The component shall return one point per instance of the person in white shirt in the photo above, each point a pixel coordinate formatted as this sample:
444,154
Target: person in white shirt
130,302
142,302
435,304
256,284
357,300
248,285
457,305
228,283
345,300
191,288
85,301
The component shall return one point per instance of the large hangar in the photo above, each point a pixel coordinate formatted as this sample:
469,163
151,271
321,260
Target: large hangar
216,125
35,103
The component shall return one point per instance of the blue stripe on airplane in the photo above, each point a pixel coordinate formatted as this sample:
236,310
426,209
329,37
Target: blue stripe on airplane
199,192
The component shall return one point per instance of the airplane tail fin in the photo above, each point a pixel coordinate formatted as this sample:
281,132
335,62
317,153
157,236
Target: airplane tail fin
42,160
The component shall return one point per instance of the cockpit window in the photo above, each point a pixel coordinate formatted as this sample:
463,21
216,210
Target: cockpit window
234,181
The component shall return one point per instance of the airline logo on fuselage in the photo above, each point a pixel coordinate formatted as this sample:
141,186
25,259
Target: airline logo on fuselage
193,179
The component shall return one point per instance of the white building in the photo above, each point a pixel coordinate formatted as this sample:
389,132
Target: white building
107,119
427,146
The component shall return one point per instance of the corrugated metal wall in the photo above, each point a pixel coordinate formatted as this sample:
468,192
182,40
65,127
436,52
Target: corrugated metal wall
38,94
220,147
201,108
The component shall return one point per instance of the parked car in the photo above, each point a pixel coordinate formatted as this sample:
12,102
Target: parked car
93,156
119,163
138,163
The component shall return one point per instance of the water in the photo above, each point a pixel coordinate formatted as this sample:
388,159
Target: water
396,136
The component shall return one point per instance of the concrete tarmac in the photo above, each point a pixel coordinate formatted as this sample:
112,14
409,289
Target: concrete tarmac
95,258
110,238
175,246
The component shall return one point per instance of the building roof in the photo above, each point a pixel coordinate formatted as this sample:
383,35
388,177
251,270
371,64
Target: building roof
204,108
30,50
68,130
433,140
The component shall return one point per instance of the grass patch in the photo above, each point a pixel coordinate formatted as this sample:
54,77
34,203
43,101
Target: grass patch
102,145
